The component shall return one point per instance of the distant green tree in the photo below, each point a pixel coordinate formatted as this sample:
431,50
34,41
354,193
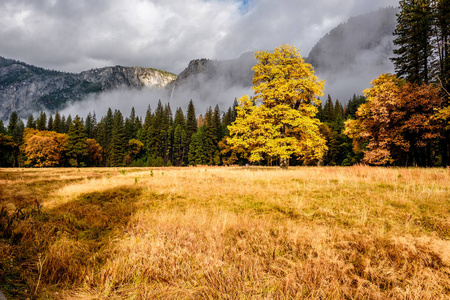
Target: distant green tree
178,144
58,123
146,133
210,138
197,148
15,131
77,152
217,125
104,135
179,138
88,126
8,149
67,124
132,125
15,128
2,128
328,111
31,123
413,41
118,141
352,106
191,121
41,122
50,123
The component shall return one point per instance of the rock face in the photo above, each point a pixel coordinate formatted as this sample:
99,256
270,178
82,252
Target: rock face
231,72
26,89
211,82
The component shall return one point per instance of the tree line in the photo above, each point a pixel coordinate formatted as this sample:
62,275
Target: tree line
157,139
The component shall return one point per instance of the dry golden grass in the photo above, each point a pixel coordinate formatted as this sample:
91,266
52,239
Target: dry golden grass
225,233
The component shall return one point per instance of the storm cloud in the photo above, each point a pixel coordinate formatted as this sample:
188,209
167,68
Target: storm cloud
78,35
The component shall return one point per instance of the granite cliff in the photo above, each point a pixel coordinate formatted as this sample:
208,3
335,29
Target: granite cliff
26,89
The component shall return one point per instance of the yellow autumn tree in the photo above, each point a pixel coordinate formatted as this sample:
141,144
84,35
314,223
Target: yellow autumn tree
279,121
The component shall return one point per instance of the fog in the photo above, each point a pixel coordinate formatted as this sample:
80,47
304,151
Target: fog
124,99
356,77
354,53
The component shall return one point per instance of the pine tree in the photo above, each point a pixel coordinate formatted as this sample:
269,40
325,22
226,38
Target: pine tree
41,122
15,129
131,125
50,123
146,132
191,126
328,111
2,128
67,124
197,148
191,121
88,126
118,141
58,123
178,144
352,106
413,41
77,145
104,134
94,126
179,137
217,125
168,144
209,136
31,122
442,59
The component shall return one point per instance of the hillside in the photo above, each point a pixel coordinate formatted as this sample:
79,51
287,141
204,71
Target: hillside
25,88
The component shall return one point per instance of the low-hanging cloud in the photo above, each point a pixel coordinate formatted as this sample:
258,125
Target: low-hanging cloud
124,99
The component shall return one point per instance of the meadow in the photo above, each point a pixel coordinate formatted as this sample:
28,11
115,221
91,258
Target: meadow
225,233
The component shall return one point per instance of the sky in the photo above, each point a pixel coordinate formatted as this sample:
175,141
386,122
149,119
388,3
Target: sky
74,36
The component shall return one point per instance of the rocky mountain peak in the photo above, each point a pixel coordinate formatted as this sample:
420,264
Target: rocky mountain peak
25,88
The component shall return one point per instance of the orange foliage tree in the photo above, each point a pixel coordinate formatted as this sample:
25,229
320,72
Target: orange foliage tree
396,122
44,148
94,152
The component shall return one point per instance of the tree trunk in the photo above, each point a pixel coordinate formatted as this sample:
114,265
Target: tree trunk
444,150
284,163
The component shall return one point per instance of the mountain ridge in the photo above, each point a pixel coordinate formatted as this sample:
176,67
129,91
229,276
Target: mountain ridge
26,88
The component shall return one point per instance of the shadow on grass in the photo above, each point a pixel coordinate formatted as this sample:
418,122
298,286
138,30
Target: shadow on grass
65,245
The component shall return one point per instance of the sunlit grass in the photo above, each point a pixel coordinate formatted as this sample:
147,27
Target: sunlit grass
227,233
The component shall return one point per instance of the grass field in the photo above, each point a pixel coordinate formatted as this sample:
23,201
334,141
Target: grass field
225,233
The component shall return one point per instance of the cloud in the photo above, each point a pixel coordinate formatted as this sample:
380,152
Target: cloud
124,99
78,35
